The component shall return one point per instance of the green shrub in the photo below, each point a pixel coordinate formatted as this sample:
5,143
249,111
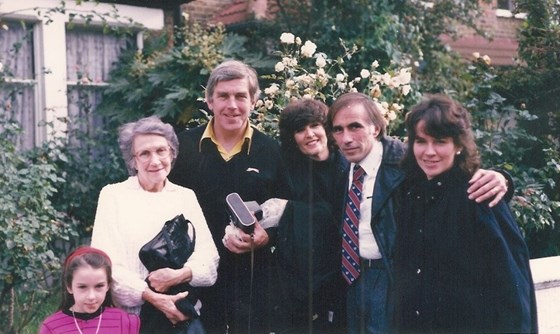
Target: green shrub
169,81
530,160
33,233
87,161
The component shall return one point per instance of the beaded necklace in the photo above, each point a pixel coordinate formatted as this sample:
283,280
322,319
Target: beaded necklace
98,323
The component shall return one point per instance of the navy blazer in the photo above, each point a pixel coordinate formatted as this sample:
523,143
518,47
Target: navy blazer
389,177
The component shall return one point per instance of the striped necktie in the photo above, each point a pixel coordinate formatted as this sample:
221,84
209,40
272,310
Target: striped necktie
350,240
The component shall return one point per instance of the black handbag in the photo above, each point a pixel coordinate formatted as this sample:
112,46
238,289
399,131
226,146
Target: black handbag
171,248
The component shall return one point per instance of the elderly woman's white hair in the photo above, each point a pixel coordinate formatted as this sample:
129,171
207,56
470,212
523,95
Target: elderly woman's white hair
148,125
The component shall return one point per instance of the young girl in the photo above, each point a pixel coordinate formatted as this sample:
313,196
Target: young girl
86,306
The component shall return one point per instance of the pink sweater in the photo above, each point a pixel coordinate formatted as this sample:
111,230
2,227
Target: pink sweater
114,321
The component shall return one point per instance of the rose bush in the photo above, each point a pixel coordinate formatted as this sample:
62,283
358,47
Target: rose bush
304,72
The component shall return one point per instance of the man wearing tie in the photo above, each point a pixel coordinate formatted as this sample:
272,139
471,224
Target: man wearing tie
368,224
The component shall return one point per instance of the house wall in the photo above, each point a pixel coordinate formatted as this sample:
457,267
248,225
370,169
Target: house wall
204,10
501,26
51,79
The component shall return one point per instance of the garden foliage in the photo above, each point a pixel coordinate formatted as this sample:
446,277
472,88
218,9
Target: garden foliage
318,49
33,232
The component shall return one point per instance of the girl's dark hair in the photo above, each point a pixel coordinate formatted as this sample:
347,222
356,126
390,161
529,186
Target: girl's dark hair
81,257
443,117
295,116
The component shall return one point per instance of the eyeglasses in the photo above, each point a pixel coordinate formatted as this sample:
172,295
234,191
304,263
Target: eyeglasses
146,155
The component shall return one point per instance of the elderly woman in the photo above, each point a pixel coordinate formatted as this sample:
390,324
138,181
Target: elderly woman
132,212
461,266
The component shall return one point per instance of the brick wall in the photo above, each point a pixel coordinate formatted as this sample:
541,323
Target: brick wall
204,10
229,11
497,26
502,49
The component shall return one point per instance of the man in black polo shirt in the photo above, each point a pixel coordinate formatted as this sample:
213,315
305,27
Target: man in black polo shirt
224,156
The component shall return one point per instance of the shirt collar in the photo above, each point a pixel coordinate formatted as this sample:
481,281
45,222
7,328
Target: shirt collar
371,162
210,135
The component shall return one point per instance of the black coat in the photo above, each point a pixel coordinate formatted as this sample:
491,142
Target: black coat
256,173
388,179
308,238
308,250
460,266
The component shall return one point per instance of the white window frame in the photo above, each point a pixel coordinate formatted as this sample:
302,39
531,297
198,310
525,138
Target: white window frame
507,13
50,89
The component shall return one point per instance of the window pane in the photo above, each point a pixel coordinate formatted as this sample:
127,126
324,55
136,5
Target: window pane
91,54
82,101
505,4
17,94
16,45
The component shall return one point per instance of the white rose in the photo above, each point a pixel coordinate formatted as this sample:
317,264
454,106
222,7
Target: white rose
404,76
320,62
306,79
364,73
308,49
405,90
290,83
375,64
287,38
279,67
272,90
289,61
298,41
323,80
268,104
340,77
386,79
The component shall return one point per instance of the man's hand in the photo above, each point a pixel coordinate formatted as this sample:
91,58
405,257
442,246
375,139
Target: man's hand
239,242
166,304
487,184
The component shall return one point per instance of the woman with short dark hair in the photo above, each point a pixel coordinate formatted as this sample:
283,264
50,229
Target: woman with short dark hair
308,235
